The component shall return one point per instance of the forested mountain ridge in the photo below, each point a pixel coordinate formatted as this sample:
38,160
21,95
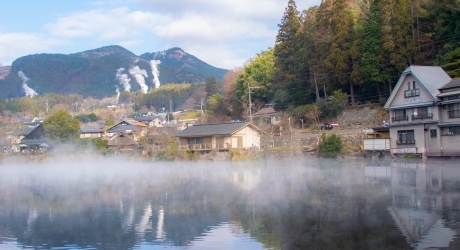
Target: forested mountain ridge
102,72
178,66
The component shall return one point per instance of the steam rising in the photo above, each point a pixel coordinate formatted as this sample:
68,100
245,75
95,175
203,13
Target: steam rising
29,91
139,74
118,92
123,79
155,72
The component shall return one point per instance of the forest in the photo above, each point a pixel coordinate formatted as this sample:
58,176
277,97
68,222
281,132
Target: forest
359,47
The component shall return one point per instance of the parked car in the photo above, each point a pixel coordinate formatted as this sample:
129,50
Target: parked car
326,126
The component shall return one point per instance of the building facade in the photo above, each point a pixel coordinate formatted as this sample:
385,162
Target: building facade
425,113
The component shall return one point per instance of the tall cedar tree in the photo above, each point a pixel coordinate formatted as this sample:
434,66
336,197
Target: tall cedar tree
309,26
338,61
404,45
322,44
371,47
211,86
286,64
388,73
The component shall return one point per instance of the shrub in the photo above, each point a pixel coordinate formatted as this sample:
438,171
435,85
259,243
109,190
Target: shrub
330,146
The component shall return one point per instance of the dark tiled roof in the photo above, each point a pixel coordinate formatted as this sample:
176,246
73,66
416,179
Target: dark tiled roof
452,84
23,131
122,139
266,111
31,142
211,129
145,118
88,129
124,128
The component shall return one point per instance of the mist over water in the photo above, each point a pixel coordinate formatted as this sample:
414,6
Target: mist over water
120,203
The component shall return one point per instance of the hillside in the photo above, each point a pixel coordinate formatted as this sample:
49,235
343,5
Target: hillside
178,66
101,72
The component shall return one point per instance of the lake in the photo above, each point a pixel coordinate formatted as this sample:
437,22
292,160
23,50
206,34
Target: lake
98,203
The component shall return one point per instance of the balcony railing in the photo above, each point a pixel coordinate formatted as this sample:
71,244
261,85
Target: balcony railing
399,118
454,114
402,142
412,93
422,116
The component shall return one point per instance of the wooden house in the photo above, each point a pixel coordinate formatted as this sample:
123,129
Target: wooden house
87,131
220,136
122,142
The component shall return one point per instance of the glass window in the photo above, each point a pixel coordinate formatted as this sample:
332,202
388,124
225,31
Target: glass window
193,141
406,135
454,130
433,133
454,110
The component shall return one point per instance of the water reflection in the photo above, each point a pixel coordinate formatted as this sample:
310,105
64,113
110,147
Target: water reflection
285,204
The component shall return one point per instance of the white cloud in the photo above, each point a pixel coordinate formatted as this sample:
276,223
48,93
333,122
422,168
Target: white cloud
223,33
105,25
14,45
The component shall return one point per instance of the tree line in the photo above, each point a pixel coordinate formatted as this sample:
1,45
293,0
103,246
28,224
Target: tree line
359,47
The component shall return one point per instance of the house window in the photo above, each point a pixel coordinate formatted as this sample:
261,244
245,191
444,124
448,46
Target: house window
454,110
399,115
455,130
422,113
412,93
192,141
433,133
406,137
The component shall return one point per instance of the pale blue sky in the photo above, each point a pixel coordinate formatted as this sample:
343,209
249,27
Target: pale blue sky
223,33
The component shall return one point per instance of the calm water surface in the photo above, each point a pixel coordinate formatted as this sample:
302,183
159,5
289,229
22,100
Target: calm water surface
284,204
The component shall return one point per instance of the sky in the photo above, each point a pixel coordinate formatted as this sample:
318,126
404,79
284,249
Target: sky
222,33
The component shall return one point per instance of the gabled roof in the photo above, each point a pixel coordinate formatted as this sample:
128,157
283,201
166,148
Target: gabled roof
228,128
266,111
122,139
23,131
33,142
88,129
126,123
136,123
124,128
430,77
145,118
455,83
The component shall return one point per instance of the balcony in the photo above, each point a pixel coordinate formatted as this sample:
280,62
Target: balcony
412,93
454,114
399,118
404,142
422,116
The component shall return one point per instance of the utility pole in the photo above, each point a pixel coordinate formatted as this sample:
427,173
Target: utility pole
290,133
250,103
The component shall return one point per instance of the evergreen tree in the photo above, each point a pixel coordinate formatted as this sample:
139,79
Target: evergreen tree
286,64
341,28
61,126
211,86
371,46
387,52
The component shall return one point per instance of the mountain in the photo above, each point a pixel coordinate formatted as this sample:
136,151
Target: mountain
102,72
178,66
